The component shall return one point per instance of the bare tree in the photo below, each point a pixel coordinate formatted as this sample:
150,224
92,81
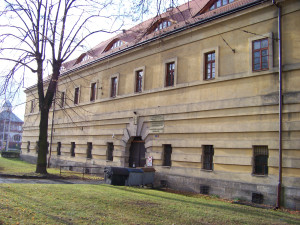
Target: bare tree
36,33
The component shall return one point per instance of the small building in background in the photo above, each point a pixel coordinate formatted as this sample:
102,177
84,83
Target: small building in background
10,128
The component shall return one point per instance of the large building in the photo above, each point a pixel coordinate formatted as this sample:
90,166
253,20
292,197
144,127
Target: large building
10,129
194,90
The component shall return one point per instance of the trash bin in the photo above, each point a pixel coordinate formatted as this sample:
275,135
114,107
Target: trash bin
135,177
115,175
148,176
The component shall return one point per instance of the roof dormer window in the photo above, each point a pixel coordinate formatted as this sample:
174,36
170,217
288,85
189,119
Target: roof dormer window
86,57
162,25
117,44
220,3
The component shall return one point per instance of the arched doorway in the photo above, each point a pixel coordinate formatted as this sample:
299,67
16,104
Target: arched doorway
137,153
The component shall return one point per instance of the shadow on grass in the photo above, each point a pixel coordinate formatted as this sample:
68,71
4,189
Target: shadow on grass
247,210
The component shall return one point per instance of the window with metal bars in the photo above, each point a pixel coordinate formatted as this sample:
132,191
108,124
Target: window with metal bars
93,92
114,82
167,155
170,73
58,148
207,157
89,150
110,151
28,146
73,145
139,81
260,54
210,66
76,96
260,160
62,99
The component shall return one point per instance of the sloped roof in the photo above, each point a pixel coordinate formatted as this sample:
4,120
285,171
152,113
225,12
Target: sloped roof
5,115
181,16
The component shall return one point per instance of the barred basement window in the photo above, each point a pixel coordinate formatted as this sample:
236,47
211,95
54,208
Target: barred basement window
167,155
28,146
73,149
207,157
58,148
260,160
110,150
89,150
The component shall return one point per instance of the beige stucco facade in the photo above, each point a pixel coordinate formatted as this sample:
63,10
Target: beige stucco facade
233,112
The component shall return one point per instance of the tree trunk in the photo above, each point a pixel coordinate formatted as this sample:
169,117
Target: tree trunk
41,165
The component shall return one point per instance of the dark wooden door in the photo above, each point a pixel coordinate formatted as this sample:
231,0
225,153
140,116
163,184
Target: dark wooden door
137,153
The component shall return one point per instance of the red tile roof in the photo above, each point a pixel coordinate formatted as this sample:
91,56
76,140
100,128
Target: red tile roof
180,16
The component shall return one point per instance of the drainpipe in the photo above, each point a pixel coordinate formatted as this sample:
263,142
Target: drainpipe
278,203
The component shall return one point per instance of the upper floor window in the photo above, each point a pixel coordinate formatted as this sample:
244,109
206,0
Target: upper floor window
114,85
260,160
62,99
31,106
93,92
170,74
139,80
260,54
163,25
220,3
210,66
76,96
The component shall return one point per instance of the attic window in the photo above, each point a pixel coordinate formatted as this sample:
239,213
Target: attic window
86,57
163,25
220,3
116,44
62,69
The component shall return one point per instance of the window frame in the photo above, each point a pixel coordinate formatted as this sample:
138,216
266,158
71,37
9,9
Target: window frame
93,91
204,52
32,106
110,151
207,157
256,150
270,47
76,100
166,63
62,100
89,150
116,87
167,156
260,57
72,150
209,62
135,72
58,148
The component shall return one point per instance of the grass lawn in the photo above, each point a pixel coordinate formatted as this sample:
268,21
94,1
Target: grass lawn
15,166
105,204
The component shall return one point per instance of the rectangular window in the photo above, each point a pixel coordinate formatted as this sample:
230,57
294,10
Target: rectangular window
37,146
110,151
260,54
260,160
28,146
93,92
58,148
207,157
62,99
31,106
114,84
167,155
210,66
89,150
76,96
170,74
139,81
73,149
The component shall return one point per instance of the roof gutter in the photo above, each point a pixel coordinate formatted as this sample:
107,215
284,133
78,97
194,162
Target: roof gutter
167,34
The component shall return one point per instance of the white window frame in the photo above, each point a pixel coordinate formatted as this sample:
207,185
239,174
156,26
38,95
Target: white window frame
203,66
142,68
250,47
175,60
116,75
